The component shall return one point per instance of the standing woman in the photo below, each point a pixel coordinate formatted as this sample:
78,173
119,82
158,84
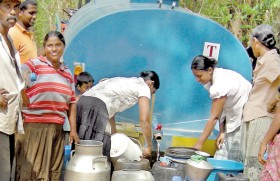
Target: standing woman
97,107
50,89
229,92
265,83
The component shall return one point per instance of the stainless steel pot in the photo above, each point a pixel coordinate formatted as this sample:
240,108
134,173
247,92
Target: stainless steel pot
88,163
197,171
180,152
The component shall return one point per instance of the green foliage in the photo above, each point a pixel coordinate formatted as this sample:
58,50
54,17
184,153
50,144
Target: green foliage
248,13
226,12
46,17
276,4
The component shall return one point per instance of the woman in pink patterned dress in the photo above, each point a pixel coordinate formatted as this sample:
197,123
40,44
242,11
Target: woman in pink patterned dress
271,144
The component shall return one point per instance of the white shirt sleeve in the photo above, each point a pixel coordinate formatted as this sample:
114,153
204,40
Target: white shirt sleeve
221,85
218,91
144,91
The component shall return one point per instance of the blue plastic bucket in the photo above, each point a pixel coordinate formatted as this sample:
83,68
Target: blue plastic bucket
67,153
224,166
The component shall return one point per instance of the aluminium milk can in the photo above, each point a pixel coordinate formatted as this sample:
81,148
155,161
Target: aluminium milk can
87,163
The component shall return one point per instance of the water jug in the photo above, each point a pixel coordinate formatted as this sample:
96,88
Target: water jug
87,163
123,147
167,172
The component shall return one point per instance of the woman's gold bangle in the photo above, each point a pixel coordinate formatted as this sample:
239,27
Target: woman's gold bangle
277,97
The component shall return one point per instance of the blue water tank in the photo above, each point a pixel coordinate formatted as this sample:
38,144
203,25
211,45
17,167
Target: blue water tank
169,2
122,38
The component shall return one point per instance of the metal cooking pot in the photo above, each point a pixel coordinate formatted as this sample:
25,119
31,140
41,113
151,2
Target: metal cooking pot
180,152
197,171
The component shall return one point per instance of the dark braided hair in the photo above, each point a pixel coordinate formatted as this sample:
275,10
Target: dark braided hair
265,35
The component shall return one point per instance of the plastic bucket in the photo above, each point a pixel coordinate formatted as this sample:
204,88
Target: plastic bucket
123,147
224,166
67,154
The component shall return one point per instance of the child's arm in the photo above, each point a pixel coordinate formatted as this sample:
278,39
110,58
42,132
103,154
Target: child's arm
272,131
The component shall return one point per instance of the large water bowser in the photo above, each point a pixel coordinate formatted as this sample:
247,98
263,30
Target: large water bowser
122,38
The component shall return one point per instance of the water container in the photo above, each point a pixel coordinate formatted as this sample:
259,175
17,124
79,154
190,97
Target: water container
225,167
165,173
66,159
265,155
125,164
33,76
30,79
177,178
88,163
132,175
230,177
123,147
197,170
67,153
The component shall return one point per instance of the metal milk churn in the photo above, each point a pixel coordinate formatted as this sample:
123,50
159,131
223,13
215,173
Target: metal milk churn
87,163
